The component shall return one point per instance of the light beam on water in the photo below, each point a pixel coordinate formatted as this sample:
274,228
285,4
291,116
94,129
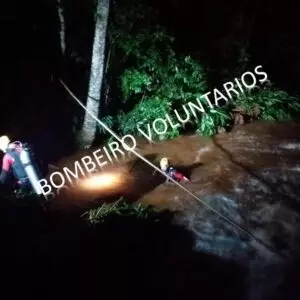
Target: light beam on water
102,181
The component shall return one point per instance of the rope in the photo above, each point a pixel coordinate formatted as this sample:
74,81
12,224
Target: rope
224,218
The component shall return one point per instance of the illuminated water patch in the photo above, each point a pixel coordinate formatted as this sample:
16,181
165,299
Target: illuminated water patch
105,181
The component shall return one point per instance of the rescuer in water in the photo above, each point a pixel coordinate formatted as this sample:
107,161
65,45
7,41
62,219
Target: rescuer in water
16,161
171,171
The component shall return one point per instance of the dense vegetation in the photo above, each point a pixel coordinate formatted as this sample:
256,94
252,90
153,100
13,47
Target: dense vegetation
120,208
153,80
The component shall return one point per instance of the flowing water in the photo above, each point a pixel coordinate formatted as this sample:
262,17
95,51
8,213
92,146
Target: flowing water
250,175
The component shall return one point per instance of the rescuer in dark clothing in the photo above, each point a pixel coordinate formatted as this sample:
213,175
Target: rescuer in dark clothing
12,165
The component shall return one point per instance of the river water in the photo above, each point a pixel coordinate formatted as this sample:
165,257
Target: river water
250,175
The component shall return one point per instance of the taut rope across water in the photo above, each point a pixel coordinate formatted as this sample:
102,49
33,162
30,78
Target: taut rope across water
228,220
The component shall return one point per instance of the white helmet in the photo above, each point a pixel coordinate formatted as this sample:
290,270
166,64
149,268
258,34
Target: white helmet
164,163
4,142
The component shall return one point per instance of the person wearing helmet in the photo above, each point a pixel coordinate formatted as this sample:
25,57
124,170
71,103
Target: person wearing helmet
12,165
171,171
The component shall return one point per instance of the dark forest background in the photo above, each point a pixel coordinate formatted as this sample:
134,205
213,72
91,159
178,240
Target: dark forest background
67,256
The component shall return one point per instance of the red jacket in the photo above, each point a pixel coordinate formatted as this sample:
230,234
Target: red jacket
11,163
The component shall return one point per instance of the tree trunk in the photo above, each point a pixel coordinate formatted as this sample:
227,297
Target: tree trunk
88,131
62,32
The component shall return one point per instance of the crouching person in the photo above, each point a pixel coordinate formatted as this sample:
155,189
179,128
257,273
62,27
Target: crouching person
169,170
